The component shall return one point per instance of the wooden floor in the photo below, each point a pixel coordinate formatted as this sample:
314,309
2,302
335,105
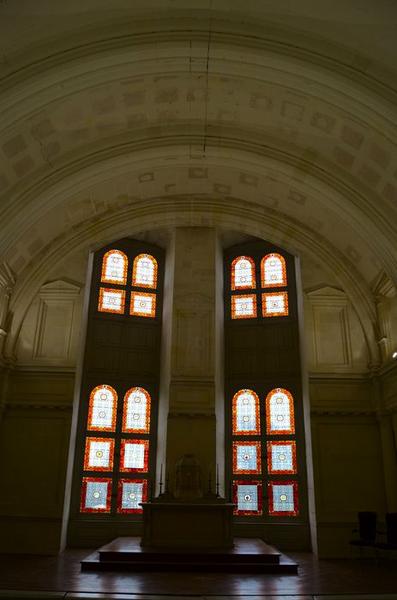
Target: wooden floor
315,579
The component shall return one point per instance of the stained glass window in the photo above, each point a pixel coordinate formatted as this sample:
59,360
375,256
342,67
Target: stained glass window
275,304
248,497
283,498
114,267
96,495
280,412
244,306
281,457
142,304
243,273
144,271
245,413
134,456
131,493
273,271
247,458
111,300
98,454
102,409
136,414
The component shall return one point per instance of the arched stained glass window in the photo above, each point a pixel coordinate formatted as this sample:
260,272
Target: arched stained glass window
144,271
102,409
114,267
273,271
136,413
245,411
280,412
243,273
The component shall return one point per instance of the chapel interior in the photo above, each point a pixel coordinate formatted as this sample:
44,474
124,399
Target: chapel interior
197,144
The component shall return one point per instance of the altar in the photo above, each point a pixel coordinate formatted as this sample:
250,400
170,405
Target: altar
171,524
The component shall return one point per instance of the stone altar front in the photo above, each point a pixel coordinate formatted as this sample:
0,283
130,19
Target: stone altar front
200,524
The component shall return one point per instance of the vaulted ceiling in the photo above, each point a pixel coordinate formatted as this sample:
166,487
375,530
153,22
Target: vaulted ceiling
273,118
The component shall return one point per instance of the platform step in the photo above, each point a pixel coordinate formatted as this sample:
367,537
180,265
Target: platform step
248,555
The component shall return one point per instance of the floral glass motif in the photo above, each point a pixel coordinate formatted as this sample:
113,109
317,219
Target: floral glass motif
248,497
134,456
273,271
98,454
280,412
131,493
283,498
245,413
246,458
96,495
243,273
275,304
102,409
136,414
111,300
142,304
114,267
281,458
144,271
244,306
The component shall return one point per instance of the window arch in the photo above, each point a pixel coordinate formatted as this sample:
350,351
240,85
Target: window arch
273,271
243,273
136,412
246,413
144,271
280,412
114,267
102,409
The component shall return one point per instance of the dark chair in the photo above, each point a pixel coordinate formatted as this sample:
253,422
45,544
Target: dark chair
391,533
366,530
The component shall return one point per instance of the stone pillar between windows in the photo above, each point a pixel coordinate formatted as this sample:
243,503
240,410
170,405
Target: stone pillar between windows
191,425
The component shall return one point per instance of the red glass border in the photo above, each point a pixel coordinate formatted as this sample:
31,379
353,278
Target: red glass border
91,408
137,313
289,431
272,471
256,431
280,313
283,513
106,257
256,471
145,444
134,270
137,511
84,490
111,310
255,308
247,513
146,428
283,268
88,442
251,286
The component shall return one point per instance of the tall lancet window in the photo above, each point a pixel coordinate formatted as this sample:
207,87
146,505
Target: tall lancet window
265,447
115,451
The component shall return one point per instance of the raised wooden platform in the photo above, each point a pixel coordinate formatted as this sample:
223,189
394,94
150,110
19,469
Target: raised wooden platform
247,555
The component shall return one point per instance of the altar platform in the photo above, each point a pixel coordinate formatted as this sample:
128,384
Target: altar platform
247,555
